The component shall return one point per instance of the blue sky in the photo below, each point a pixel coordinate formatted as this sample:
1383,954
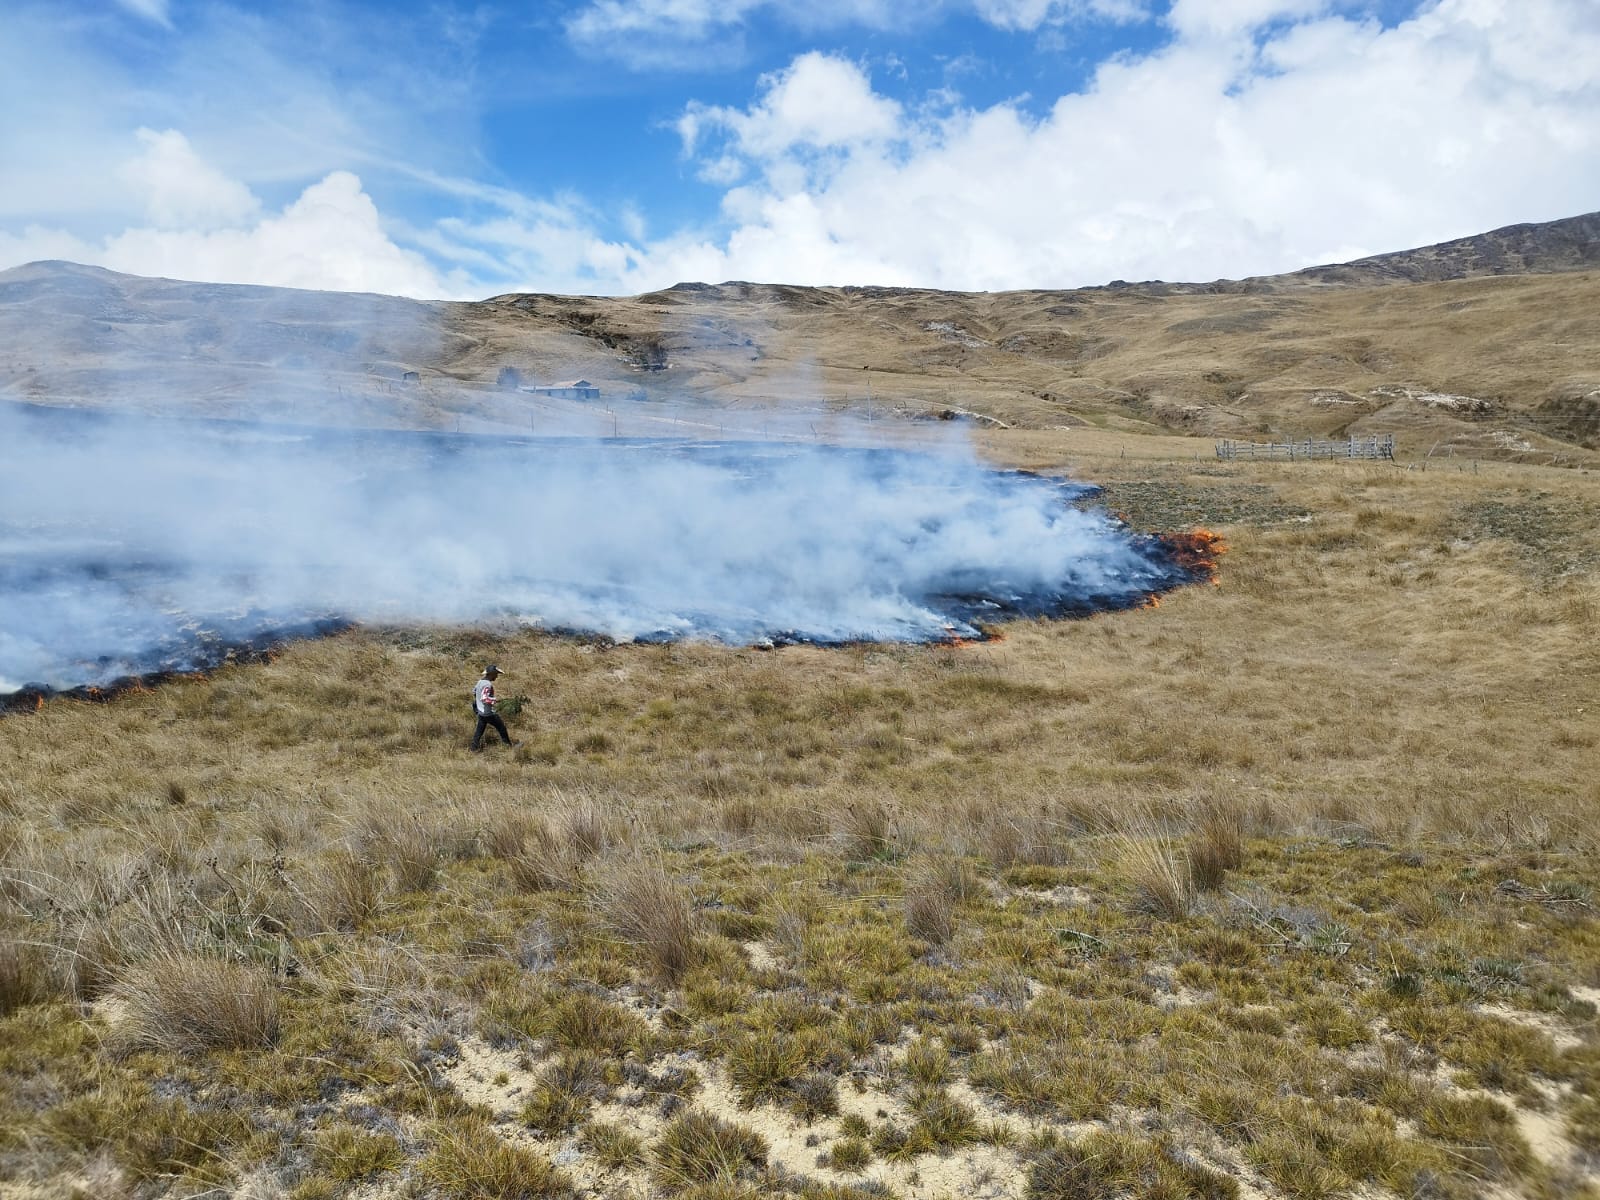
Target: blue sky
463,149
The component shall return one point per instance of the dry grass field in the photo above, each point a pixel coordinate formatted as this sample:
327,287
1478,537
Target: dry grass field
1503,367
1284,888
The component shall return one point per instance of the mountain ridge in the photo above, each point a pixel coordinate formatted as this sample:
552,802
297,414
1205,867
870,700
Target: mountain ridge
1487,345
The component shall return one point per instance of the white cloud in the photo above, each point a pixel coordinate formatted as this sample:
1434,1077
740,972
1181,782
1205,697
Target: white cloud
330,238
1265,135
1211,18
206,226
1213,157
180,190
820,102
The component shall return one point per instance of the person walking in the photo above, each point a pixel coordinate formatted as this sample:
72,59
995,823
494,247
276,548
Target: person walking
483,705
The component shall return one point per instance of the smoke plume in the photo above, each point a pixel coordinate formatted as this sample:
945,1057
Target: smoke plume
129,546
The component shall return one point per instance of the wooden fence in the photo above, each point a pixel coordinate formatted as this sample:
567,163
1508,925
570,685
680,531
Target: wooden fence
1375,446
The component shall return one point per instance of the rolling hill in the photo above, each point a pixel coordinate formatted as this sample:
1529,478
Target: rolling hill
1486,346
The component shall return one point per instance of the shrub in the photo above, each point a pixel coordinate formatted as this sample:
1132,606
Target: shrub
188,1004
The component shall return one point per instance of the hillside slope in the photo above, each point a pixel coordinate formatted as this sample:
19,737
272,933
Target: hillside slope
1487,345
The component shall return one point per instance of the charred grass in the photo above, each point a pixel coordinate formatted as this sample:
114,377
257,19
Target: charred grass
1284,888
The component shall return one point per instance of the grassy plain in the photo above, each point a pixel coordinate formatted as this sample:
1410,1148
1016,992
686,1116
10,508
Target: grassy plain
1284,888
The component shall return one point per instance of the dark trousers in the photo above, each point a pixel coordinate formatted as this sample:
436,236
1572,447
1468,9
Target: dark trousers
485,720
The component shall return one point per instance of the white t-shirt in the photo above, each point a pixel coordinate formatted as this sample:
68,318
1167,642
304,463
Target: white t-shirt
483,696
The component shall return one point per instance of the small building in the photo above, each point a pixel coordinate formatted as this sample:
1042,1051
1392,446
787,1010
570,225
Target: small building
572,389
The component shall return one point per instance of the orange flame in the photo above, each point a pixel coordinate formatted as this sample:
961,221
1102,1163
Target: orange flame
1197,550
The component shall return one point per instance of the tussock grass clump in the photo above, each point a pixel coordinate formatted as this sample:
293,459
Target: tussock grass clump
813,1095
942,1121
344,892
927,1063
698,1148
24,975
762,1064
583,1021
1156,871
149,1137
547,851
866,830
1108,1163
564,1093
469,1161
848,1154
1479,1130
189,1004
614,1147
930,913
1583,1124
412,849
653,910
1019,1073
933,891
348,1154
587,828
1216,846
543,860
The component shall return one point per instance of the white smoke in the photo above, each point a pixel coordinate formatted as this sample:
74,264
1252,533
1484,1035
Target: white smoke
130,545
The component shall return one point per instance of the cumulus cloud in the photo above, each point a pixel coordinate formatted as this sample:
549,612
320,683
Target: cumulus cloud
1258,136
1235,149
203,225
179,189
819,102
330,237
